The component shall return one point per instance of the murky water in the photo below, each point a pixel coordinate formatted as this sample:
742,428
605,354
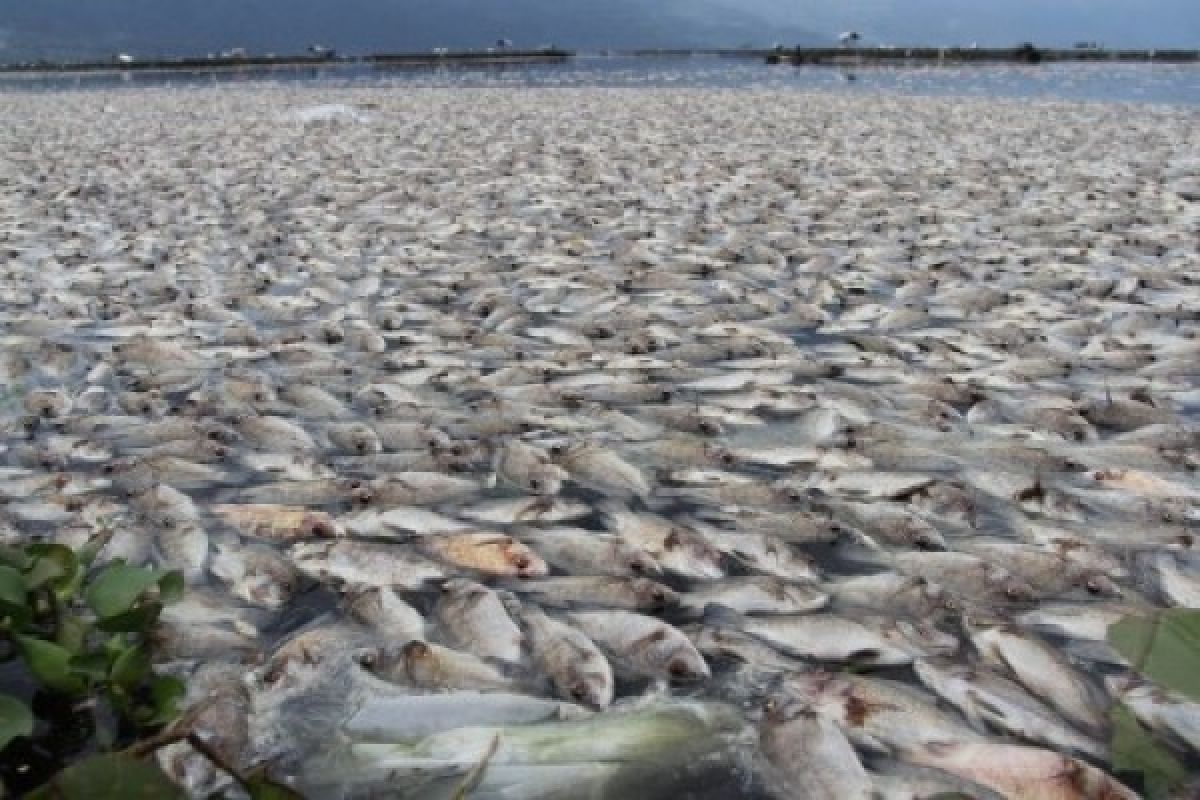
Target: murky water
1135,83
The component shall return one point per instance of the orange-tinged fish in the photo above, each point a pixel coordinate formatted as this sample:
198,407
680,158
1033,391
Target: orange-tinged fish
487,552
277,523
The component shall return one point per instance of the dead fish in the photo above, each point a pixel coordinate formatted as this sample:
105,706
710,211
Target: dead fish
475,619
984,697
876,714
485,552
579,671
643,645
526,510
756,595
821,636
528,468
254,573
887,523
355,438
583,552
601,469
810,755
568,591
413,489
275,523
366,564
1018,771
380,608
1049,574
1045,672
912,596
431,666
674,548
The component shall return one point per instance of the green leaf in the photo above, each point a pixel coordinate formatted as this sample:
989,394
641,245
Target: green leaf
260,787
1165,647
94,665
52,563
15,720
118,587
12,588
50,664
170,587
93,546
131,667
1133,751
72,632
113,776
139,620
14,557
166,692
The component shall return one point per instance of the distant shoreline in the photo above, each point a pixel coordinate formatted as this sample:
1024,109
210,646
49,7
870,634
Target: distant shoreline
1025,54
551,55
816,56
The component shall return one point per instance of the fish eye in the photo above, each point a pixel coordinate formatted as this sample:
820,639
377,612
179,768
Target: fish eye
637,568
677,668
925,543
666,395
579,692
728,459
521,562
535,484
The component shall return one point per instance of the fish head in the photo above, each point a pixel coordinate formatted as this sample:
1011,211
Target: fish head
546,480
635,561
1098,584
721,455
922,637
589,688
1008,588
522,560
653,596
686,665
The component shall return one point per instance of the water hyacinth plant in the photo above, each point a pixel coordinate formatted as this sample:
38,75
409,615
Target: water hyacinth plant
76,638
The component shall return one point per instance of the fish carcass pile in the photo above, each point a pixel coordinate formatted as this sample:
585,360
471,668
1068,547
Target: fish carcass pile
592,443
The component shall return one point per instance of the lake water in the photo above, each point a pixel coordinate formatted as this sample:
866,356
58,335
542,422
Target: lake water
1139,83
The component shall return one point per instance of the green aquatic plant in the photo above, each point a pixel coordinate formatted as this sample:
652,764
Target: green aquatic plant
82,634
1164,647
79,636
